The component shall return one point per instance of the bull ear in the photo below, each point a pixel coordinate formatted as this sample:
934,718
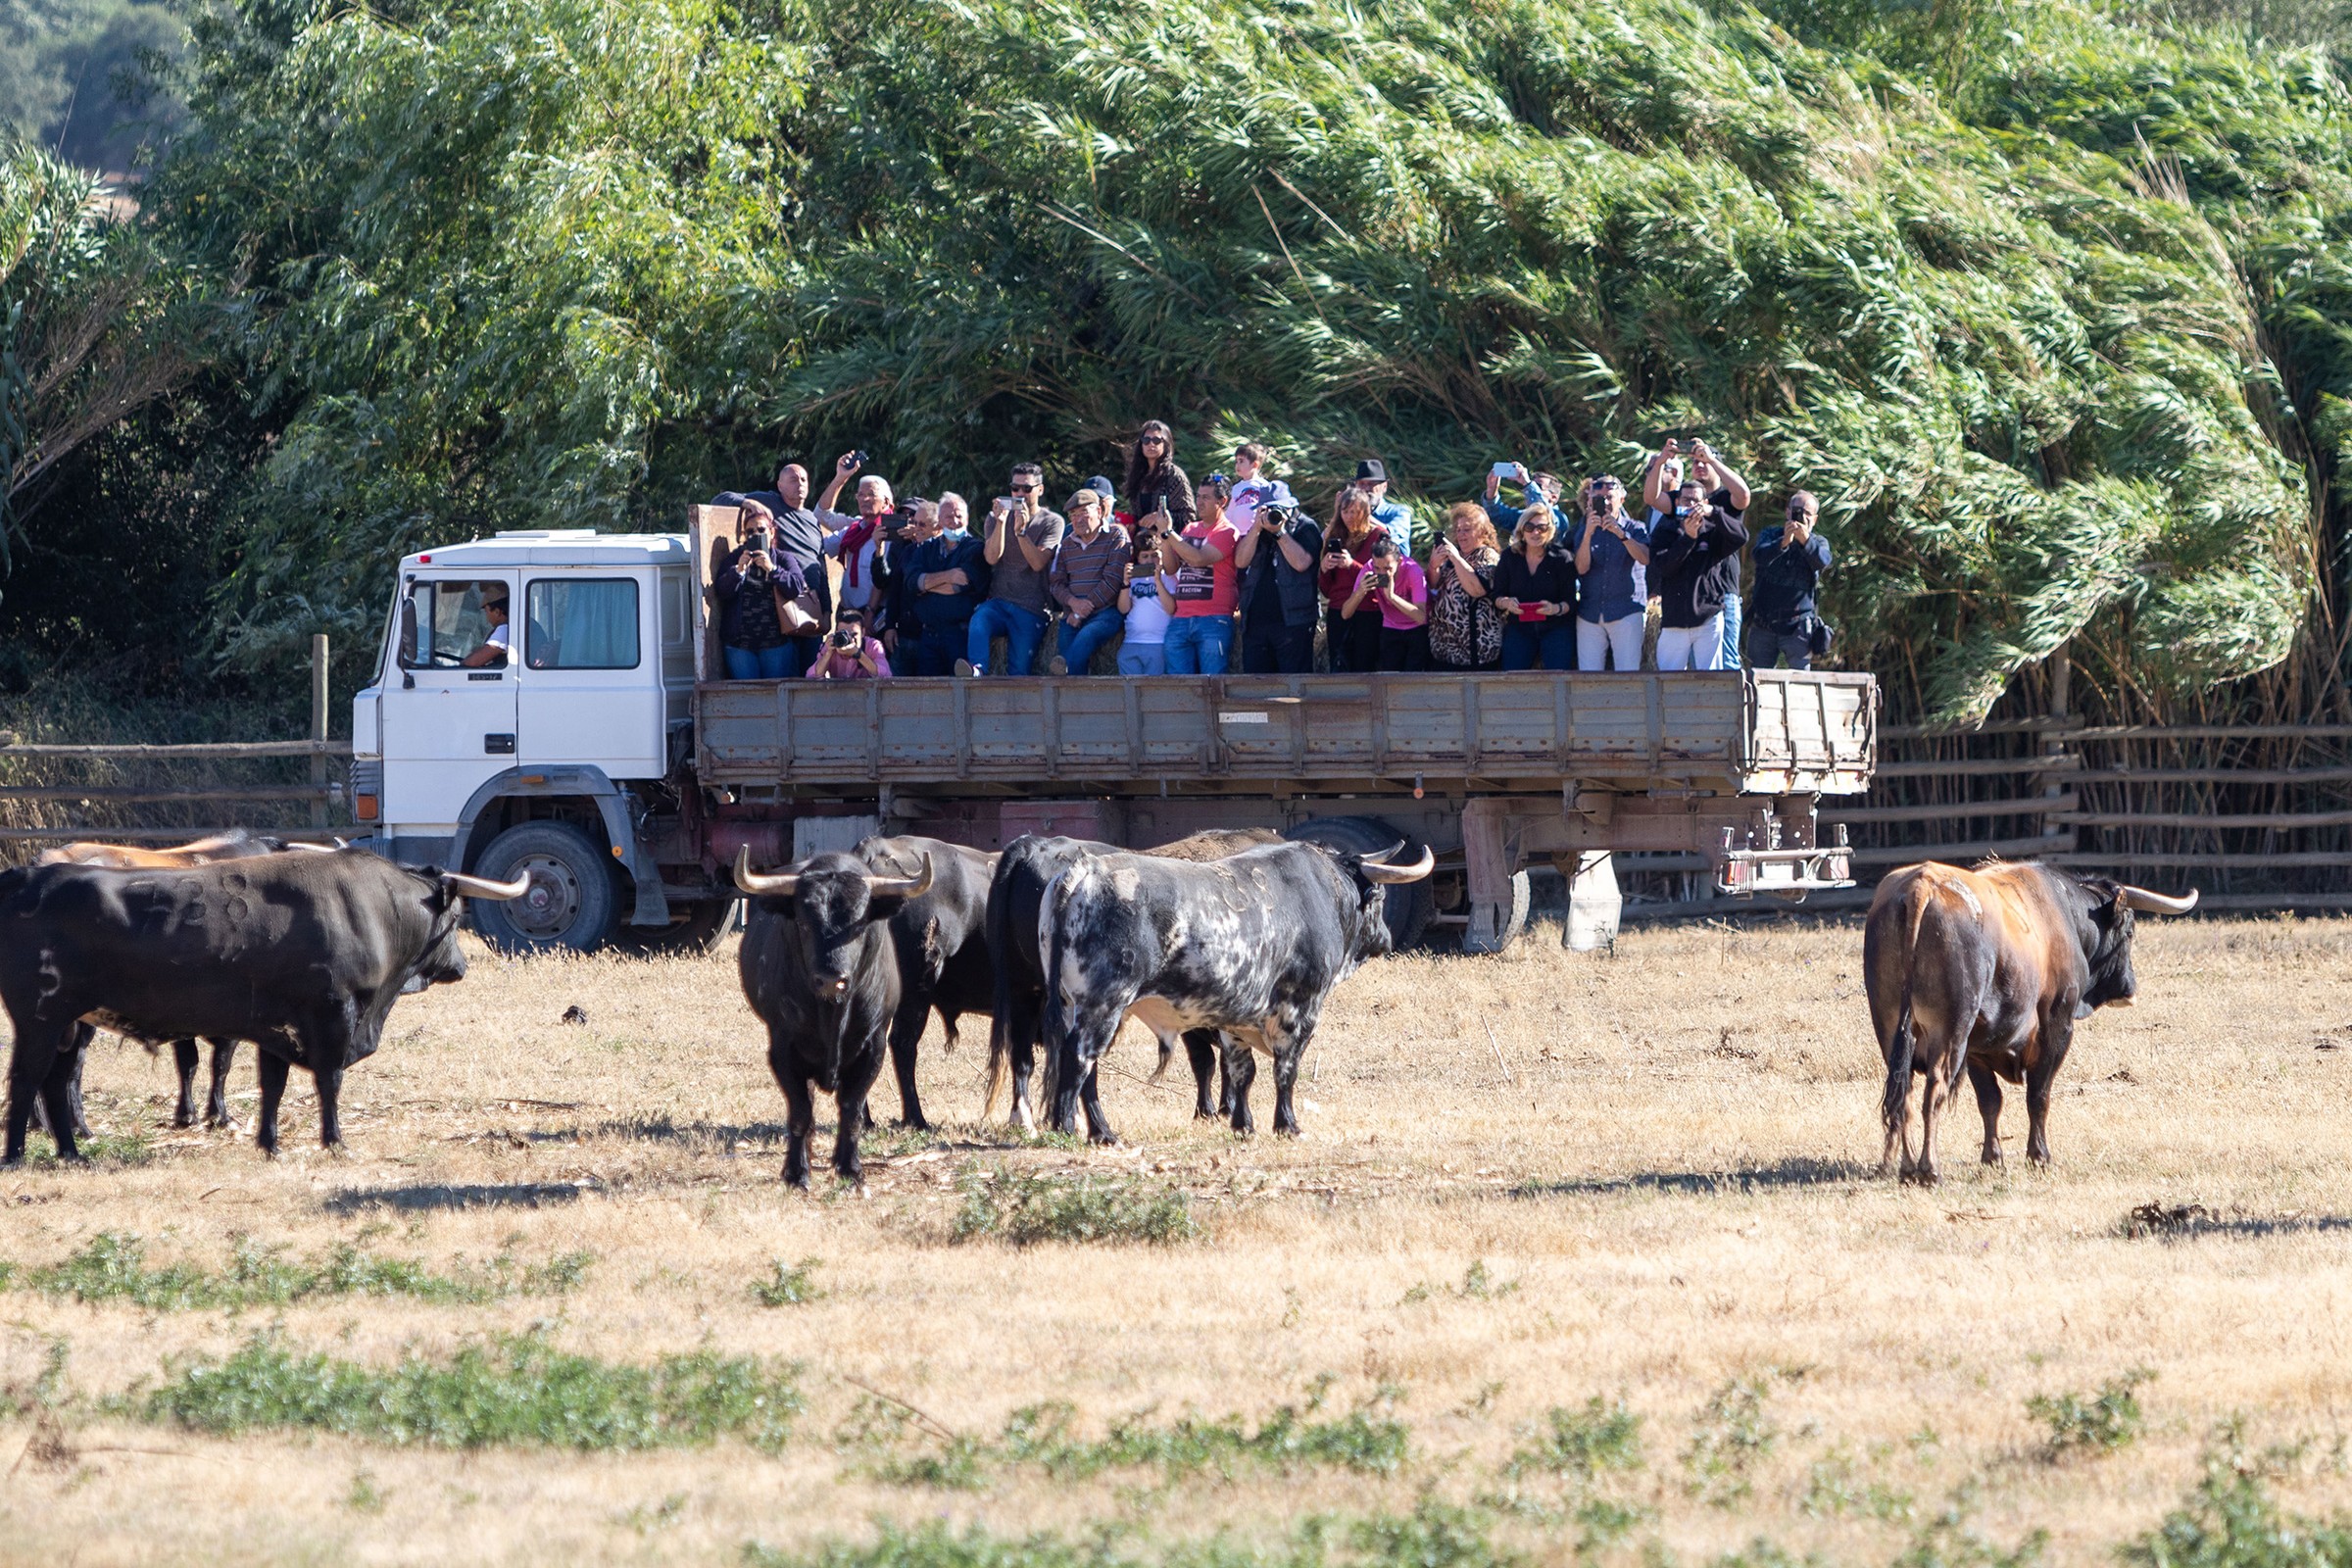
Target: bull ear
781,885
481,887
2140,899
1381,872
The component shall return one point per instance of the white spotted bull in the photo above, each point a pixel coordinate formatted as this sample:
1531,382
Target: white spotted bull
1251,946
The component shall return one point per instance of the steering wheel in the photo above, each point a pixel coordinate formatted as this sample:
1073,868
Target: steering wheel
447,660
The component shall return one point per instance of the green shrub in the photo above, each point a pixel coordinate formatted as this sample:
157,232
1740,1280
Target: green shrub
1289,1439
2096,1425
793,1286
1024,1209
511,1391
1733,1435
113,1267
2232,1521
1601,1435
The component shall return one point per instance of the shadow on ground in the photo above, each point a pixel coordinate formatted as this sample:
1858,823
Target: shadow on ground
431,1196
1799,1172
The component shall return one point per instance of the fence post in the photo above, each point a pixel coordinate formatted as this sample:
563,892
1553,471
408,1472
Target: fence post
318,726
2061,667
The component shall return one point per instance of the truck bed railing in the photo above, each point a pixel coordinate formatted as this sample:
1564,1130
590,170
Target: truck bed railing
1740,732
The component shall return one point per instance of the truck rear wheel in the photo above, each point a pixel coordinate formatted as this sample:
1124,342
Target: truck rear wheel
1411,905
571,902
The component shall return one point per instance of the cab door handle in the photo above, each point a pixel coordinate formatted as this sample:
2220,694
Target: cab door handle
497,744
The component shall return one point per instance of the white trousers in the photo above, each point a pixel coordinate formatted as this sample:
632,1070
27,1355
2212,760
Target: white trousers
1596,639
1698,647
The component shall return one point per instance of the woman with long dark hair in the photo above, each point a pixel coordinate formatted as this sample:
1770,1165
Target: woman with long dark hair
1154,483
1350,639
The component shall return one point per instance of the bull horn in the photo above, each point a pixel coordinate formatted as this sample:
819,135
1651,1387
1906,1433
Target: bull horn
481,887
1381,872
781,885
904,887
2147,902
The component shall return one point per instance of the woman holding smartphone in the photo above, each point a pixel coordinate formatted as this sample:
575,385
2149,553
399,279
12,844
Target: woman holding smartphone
1352,638
1534,592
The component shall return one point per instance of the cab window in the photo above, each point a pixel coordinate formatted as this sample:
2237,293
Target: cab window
443,623
580,623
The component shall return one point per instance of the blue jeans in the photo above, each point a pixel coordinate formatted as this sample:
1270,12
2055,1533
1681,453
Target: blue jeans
1143,658
1540,644
1080,643
1731,632
763,663
1200,645
1024,629
934,650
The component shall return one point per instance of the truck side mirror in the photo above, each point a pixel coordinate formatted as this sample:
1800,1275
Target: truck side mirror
407,632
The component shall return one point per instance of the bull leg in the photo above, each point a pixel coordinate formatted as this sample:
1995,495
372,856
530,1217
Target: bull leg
1097,1121
856,1085
1944,1078
2057,1038
1988,1085
79,1045
58,1095
184,1056
216,1103
1239,1065
1088,1029
1020,1055
38,1044
272,1068
1286,1073
905,1031
800,1112
1200,1045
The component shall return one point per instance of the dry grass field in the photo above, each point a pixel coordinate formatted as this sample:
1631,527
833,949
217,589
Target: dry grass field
1528,1182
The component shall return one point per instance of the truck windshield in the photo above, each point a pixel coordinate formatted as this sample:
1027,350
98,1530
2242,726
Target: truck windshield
443,622
580,623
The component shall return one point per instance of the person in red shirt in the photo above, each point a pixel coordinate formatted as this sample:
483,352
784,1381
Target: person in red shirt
1197,575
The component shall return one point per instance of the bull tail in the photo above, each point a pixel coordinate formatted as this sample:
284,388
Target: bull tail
1894,1105
1050,942
999,926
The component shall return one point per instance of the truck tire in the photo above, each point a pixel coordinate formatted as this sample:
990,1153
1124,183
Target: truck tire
1411,905
574,902
697,936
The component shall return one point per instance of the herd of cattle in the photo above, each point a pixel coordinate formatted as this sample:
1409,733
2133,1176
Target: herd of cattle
1229,942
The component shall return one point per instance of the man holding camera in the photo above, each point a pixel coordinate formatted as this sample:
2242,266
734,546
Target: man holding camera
949,572
1725,496
1277,558
1022,535
850,654
1612,591
765,604
1782,622
796,534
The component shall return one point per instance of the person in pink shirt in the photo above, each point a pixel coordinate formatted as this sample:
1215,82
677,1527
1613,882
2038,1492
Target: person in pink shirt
1398,586
1197,577
850,654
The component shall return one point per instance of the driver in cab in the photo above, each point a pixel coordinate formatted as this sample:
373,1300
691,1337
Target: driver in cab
492,654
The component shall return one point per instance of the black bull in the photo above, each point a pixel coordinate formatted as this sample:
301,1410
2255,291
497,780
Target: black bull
1989,969
1251,946
844,953
303,955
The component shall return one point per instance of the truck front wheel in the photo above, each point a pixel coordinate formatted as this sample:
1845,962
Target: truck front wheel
572,901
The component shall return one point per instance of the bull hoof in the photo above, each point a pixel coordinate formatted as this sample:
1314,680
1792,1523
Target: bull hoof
914,1124
1922,1178
183,1119
799,1181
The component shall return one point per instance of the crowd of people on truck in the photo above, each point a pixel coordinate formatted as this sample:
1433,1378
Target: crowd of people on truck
1162,576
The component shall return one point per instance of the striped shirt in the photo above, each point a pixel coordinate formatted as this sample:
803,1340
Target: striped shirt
1089,569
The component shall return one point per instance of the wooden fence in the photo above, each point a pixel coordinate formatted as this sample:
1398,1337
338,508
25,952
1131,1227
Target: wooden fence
2255,816
143,792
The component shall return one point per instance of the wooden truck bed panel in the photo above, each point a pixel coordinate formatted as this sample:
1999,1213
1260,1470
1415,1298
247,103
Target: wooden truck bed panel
1752,732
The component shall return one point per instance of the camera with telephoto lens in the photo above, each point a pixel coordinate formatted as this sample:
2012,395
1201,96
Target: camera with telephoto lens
843,638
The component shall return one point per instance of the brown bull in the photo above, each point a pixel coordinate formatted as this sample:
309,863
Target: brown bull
1990,969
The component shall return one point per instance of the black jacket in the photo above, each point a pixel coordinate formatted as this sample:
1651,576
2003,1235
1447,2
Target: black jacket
1692,577
1297,588
1554,579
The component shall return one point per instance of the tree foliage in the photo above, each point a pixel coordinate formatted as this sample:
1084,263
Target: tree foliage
2045,301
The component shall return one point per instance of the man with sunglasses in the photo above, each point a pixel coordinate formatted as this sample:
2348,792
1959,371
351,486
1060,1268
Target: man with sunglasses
1022,535
1782,622
1613,593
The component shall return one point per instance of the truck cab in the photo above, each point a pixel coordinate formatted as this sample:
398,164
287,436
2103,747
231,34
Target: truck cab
538,740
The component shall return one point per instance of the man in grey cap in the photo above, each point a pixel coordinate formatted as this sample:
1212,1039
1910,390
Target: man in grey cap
1372,478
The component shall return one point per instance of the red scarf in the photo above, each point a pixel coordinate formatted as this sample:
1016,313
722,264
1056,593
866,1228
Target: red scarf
853,545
